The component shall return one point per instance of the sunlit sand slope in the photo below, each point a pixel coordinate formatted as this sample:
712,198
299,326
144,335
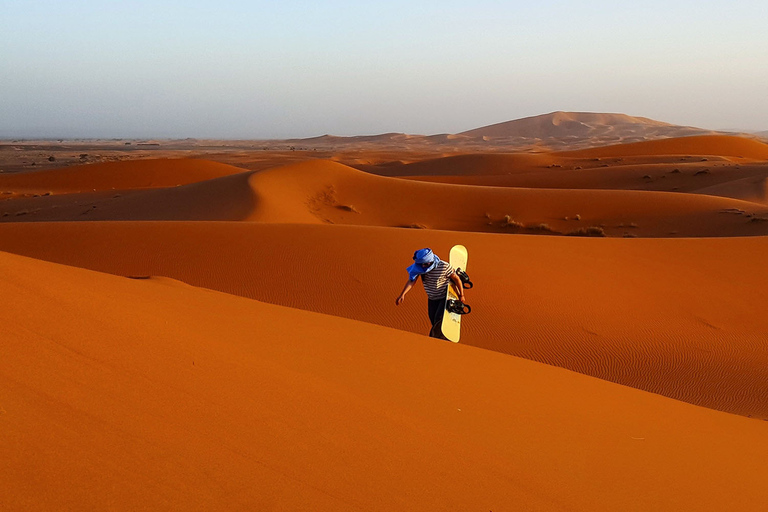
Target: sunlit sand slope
682,318
149,394
716,145
327,192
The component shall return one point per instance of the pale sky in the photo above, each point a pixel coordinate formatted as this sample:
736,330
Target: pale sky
255,69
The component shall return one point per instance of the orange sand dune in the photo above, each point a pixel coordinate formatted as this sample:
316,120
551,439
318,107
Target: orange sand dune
328,192
752,188
153,173
648,153
152,395
226,198
468,164
565,124
716,145
683,318
744,182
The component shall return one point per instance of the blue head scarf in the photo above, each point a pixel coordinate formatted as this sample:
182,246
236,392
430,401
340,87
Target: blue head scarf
420,257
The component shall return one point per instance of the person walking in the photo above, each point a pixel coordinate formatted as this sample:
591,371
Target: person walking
436,275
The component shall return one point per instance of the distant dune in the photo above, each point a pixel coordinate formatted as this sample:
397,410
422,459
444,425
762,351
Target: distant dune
716,145
727,166
554,131
578,124
135,174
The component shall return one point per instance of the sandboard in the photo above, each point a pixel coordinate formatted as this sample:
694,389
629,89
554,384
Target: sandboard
451,325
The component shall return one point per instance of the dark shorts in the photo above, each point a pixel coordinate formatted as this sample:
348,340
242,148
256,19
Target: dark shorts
435,309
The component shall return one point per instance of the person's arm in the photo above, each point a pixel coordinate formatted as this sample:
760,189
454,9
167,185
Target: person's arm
406,289
457,286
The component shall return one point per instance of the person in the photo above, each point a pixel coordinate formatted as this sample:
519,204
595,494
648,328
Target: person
436,275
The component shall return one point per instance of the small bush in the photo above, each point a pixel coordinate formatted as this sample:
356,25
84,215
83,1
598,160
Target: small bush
590,231
508,222
543,228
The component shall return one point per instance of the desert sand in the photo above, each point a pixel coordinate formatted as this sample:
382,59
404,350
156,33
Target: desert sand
217,330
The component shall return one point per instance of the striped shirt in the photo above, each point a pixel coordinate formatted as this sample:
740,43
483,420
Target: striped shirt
436,281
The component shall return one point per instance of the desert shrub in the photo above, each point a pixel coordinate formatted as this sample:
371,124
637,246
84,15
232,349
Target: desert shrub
542,228
508,222
590,231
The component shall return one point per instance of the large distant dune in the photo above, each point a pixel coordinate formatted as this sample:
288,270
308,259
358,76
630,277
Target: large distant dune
579,124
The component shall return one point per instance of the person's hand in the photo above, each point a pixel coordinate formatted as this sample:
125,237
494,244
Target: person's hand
399,300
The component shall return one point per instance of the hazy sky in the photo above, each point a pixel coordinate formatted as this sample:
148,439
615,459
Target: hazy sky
253,69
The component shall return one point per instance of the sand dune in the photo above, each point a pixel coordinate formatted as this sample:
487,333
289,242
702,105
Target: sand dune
752,188
559,124
150,173
739,181
226,198
719,147
581,127
212,401
716,145
328,192
674,165
466,164
675,317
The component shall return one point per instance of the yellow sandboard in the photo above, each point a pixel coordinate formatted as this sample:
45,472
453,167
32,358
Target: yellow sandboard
451,325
